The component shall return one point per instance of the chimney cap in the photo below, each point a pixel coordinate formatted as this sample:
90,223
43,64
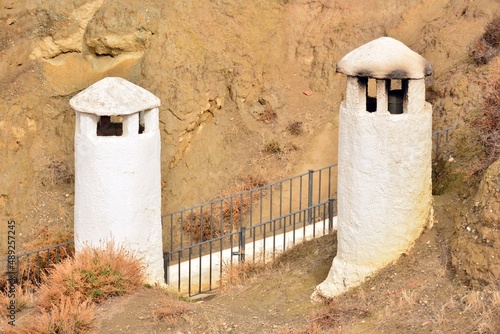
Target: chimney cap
114,96
384,58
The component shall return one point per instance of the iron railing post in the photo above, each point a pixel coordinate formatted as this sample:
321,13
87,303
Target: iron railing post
330,214
166,257
242,244
310,196
437,144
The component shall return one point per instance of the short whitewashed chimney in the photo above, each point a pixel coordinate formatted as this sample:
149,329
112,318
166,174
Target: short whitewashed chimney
117,171
384,166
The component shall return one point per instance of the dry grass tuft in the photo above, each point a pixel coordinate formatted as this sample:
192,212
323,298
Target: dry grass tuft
66,302
333,314
487,124
29,266
58,172
268,116
95,274
69,316
171,310
272,147
237,274
295,128
221,218
488,45
482,308
24,298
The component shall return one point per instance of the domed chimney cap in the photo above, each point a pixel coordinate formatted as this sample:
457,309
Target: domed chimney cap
114,96
384,58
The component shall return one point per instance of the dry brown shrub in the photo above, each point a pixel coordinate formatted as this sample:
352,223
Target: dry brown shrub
272,147
492,32
201,226
33,267
171,310
58,172
333,314
295,128
488,45
93,273
268,116
237,274
207,225
24,298
487,124
70,316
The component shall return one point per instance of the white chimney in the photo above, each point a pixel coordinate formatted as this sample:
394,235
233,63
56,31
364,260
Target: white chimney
384,166
117,171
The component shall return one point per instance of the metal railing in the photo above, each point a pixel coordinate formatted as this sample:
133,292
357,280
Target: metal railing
436,135
226,215
31,266
201,270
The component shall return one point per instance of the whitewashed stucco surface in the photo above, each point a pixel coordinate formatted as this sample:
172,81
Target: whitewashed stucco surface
384,191
118,178
118,195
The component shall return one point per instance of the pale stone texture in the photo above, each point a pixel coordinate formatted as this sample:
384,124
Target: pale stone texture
384,172
117,178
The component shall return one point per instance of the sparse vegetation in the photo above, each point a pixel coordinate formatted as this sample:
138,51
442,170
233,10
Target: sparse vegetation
59,172
295,128
29,266
66,302
93,274
269,116
24,298
272,147
488,45
487,125
69,316
171,310
237,274
213,222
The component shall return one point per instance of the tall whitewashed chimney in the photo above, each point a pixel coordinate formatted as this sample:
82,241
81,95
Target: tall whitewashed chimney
117,171
384,166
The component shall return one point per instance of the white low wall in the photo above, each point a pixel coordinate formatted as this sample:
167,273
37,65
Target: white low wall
218,259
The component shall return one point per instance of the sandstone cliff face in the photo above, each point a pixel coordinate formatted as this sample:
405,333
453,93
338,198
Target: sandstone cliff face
476,243
217,67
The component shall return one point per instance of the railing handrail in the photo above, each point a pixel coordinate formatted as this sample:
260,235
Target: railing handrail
444,130
216,200
40,250
262,224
